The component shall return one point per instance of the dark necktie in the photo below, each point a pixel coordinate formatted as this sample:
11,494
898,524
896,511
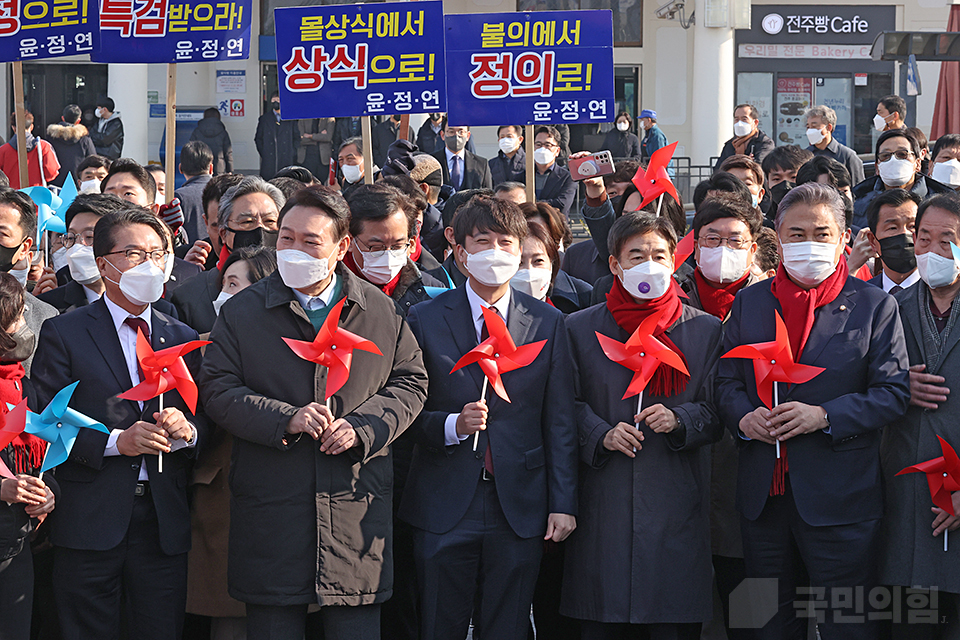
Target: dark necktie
455,176
141,325
487,456
895,288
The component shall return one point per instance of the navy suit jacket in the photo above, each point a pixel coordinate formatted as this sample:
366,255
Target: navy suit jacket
834,473
559,190
98,490
534,438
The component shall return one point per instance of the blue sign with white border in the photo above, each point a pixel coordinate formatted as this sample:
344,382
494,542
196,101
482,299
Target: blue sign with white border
38,29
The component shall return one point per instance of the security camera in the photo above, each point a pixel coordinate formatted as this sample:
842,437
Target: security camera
670,10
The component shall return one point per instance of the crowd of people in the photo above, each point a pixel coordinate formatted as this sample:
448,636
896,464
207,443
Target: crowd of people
620,479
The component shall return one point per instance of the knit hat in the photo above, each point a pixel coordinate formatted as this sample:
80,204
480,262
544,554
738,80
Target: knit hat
427,170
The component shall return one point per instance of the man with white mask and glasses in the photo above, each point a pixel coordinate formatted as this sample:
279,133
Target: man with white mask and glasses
898,167
323,470
810,518
821,122
553,182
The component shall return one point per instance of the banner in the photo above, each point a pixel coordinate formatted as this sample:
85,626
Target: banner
163,31
37,29
361,59
530,68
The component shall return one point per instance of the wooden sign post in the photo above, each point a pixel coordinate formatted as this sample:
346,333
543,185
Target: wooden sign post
21,116
169,165
531,166
367,135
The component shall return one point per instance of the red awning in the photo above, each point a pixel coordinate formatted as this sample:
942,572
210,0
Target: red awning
946,111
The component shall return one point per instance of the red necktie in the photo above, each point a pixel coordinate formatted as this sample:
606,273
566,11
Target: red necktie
141,324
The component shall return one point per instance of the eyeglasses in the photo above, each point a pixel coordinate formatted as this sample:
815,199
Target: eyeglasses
70,239
545,145
250,221
734,242
902,154
377,250
138,256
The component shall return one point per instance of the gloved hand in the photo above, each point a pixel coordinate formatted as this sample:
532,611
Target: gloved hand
172,214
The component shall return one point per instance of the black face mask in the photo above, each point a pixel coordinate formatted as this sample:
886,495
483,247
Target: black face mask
6,256
276,106
614,201
253,238
26,340
779,190
896,252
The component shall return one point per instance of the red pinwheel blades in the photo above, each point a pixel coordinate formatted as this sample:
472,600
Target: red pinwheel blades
773,362
655,181
333,348
498,354
164,371
642,353
943,476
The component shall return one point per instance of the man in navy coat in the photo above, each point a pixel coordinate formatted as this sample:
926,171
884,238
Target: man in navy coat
815,511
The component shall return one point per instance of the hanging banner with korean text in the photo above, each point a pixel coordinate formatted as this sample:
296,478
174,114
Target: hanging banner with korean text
361,59
529,68
164,31
37,29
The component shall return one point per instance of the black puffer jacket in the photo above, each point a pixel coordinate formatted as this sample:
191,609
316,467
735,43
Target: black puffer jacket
72,144
212,132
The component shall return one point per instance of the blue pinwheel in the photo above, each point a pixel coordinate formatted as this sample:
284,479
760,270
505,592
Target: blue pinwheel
68,193
59,425
48,220
43,195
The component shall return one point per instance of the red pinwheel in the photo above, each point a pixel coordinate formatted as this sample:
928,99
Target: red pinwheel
655,181
498,354
642,353
773,362
943,476
684,250
333,348
164,371
13,424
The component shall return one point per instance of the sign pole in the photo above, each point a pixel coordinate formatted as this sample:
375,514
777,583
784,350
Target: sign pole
171,141
21,117
367,149
531,168
404,127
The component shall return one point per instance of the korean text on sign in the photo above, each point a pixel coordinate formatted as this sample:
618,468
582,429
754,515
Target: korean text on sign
542,67
36,29
174,30
361,59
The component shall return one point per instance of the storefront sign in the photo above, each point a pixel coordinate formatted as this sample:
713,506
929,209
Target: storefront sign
834,25
805,51
774,23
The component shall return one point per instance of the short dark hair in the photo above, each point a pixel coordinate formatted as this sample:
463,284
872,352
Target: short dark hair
104,234
946,141
138,171
639,223
747,163
95,162
288,186
211,112
408,187
456,201
28,210
949,202
551,131
485,213
71,113
766,256
108,103
11,306
898,133
27,119
721,181
218,186
195,158
670,209
726,205
261,262
542,234
890,197
375,202
624,170
517,128
298,173
811,171
753,113
894,103
99,204
786,158
503,187
624,114
554,221
274,94
922,141
326,200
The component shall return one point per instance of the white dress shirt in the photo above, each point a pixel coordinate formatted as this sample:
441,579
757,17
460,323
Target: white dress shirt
312,303
477,305
910,281
92,296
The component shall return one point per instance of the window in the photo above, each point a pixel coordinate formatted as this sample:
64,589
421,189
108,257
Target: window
627,15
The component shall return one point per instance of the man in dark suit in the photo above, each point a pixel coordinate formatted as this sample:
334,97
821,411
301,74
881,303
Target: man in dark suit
890,218
554,184
811,517
122,530
461,168
481,516
196,165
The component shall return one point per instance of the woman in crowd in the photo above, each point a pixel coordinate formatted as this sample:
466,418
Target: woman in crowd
619,141
539,274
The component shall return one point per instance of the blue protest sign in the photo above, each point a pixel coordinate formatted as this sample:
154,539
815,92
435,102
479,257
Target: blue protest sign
37,29
158,31
529,68
361,59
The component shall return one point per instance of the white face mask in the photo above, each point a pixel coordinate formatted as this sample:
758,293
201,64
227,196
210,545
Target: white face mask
142,284
533,282
543,156
168,267
82,263
879,122
622,126
351,173
642,125
299,270
380,267
723,264
896,172
936,270
98,112
90,186
507,145
810,263
741,128
815,136
59,259
223,297
648,280
947,172
20,275
492,267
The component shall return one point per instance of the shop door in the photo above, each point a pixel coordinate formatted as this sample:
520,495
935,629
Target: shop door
48,88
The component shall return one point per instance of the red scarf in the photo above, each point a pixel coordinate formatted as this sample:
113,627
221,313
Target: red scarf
798,307
418,249
386,288
628,314
26,450
717,300
224,254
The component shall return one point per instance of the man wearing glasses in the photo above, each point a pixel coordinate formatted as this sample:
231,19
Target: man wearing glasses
553,182
123,531
898,167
